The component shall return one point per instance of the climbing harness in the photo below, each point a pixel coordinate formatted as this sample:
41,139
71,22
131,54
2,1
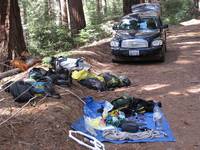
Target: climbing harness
95,144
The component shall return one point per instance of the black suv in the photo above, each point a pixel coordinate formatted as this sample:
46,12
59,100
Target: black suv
140,35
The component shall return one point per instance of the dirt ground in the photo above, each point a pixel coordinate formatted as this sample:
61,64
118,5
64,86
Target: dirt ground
176,83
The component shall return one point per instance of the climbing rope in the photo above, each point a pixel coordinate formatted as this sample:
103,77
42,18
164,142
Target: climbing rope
118,135
17,112
18,95
16,79
67,90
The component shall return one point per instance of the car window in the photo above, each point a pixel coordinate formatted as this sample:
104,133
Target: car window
128,24
134,24
147,24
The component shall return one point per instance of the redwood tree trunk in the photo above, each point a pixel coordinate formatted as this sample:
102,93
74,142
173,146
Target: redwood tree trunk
77,18
127,5
105,7
11,32
98,10
64,18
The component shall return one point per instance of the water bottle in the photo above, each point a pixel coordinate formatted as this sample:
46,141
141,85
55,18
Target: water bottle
157,117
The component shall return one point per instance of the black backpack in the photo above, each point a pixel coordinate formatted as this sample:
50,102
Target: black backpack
19,87
59,74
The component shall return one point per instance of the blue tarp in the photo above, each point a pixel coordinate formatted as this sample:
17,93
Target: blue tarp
80,126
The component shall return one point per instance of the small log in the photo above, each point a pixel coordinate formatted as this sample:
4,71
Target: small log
9,73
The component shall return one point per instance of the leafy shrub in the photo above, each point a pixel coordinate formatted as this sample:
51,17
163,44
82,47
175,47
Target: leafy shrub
90,34
49,39
175,11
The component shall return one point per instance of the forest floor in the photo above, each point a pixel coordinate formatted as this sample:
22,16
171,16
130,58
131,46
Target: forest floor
176,83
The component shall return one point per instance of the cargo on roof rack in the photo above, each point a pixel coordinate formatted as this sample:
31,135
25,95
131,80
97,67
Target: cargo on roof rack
146,7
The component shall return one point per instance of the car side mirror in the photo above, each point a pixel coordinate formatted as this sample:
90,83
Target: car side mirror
115,27
165,26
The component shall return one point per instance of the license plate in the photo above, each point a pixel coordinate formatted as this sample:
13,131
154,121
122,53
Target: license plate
134,53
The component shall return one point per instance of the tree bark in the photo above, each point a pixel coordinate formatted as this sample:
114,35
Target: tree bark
64,17
98,10
11,32
98,7
114,7
127,5
199,5
9,73
105,7
76,13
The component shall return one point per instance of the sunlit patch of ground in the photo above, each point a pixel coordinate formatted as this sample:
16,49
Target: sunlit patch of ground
183,62
175,93
188,35
83,52
190,22
189,43
194,89
154,87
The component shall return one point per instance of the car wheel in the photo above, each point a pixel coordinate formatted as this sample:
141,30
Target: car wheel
165,47
162,57
165,42
114,60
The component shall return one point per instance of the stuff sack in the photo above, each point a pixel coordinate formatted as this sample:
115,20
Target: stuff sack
131,106
107,81
69,63
142,105
90,80
37,73
111,80
61,77
39,87
84,74
124,81
121,103
44,87
93,83
61,70
19,87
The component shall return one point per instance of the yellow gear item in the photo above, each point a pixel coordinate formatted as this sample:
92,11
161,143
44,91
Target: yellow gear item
114,113
96,123
84,74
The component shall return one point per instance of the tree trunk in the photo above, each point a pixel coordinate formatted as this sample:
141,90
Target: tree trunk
64,17
127,5
9,73
11,33
98,7
77,18
98,10
105,7
199,5
50,9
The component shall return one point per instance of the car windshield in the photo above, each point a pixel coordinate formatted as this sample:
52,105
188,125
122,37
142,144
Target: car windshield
134,24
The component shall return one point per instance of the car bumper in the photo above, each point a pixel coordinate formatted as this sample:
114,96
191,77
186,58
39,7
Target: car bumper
144,53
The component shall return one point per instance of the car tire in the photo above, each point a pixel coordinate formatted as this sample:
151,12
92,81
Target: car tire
165,47
114,60
162,57
165,42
